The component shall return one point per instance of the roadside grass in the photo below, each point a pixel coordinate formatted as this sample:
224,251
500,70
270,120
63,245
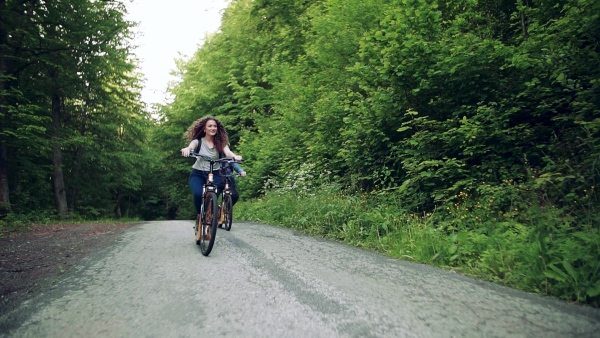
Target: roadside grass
19,223
536,250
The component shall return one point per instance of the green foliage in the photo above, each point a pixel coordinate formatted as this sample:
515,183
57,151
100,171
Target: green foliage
458,133
21,222
71,89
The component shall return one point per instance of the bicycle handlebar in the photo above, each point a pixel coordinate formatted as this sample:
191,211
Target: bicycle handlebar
221,160
211,161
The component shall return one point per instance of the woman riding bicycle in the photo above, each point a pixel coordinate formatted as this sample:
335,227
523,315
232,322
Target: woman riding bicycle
209,138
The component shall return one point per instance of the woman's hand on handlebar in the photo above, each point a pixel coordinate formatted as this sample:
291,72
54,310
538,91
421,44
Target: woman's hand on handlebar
238,158
185,152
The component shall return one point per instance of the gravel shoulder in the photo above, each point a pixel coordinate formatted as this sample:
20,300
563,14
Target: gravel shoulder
33,261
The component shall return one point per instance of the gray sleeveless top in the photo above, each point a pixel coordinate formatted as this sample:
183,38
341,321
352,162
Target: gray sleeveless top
202,164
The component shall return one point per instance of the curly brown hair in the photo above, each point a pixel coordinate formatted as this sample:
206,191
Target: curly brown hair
196,132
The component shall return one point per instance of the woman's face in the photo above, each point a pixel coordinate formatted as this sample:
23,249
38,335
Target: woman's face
211,127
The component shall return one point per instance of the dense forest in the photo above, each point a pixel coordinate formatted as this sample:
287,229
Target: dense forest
458,133
73,131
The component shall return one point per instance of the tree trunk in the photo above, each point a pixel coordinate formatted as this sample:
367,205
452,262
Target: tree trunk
79,159
117,209
76,174
57,174
523,24
4,189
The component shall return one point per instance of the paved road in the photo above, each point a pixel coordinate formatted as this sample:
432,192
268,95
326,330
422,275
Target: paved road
263,281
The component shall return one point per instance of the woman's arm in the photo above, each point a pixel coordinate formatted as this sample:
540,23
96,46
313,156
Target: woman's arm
238,169
187,150
230,154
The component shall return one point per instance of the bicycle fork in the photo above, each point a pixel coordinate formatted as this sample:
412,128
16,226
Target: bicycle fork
221,207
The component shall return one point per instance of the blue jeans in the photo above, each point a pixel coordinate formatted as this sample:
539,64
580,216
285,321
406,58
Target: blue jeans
197,180
234,194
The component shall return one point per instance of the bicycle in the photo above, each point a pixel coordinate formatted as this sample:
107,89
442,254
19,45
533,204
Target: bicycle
226,210
211,215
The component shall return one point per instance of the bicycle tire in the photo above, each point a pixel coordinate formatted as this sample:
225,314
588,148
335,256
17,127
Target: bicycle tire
227,212
210,220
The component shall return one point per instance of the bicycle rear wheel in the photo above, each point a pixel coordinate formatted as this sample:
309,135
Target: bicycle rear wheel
205,236
227,212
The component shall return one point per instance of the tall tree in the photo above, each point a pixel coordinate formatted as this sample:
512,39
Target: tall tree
4,78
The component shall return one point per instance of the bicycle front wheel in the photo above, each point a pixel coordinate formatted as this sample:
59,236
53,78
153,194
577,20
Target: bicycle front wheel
227,212
210,219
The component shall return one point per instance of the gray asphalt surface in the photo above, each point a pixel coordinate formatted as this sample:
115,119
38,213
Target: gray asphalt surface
264,281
